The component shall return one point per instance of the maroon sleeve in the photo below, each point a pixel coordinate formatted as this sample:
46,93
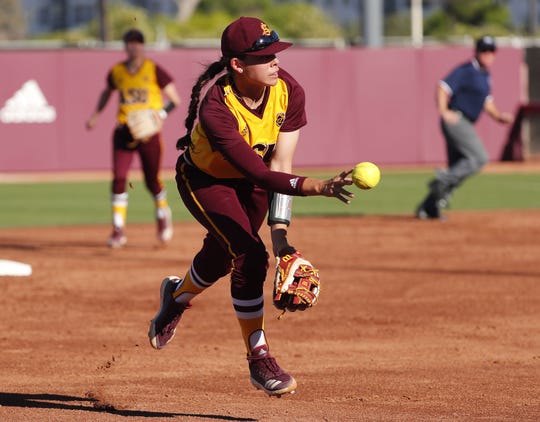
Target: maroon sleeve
245,160
221,128
163,78
296,109
110,81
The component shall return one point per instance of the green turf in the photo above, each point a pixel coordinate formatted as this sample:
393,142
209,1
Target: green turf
401,192
74,203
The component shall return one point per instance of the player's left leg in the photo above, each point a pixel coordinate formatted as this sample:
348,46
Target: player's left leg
248,301
176,293
150,154
467,153
466,157
247,280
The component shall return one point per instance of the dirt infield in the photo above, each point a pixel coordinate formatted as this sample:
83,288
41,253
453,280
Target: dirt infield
417,321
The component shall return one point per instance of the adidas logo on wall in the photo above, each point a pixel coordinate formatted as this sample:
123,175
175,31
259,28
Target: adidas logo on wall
28,105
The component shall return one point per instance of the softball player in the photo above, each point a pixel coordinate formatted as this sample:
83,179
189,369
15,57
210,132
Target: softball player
139,82
238,160
461,98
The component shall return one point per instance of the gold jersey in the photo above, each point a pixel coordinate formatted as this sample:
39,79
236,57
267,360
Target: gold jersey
260,133
136,91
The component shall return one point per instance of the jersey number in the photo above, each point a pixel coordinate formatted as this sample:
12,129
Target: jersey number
264,151
134,96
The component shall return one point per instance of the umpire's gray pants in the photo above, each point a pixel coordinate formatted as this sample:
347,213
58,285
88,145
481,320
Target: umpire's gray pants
466,152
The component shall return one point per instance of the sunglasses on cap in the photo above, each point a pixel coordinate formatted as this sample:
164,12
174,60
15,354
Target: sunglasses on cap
263,42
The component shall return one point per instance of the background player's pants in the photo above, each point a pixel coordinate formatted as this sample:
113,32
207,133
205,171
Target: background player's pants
149,154
124,149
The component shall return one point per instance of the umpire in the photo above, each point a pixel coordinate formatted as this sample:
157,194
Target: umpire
461,98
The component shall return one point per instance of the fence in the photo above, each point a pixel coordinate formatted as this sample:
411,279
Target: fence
362,104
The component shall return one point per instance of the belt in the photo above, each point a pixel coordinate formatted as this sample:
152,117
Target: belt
461,114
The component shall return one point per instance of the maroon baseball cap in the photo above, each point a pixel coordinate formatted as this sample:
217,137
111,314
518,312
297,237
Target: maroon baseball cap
133,35
252,37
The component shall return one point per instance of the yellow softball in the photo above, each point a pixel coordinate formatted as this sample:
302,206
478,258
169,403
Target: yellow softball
366,175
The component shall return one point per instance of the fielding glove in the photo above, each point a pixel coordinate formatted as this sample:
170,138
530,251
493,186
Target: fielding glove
297,283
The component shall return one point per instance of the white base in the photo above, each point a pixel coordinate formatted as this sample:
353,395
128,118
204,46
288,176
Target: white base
14,268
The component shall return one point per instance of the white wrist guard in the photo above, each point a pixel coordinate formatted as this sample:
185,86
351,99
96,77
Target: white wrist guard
280,209
162,114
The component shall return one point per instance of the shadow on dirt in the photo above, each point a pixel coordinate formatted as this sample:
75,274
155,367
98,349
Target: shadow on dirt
91,404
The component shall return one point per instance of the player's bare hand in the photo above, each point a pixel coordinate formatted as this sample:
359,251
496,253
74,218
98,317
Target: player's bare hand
505,118
335,187
91,122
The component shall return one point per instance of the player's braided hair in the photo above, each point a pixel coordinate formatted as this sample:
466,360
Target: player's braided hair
210,73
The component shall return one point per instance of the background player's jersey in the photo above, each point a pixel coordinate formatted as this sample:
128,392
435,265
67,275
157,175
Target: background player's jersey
139,90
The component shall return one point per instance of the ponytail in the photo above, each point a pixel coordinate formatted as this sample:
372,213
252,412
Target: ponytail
209,74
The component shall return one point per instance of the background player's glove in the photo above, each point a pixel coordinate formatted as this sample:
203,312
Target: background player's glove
297,283
144,123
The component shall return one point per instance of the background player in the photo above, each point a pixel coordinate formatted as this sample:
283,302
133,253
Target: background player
461,98
241,149
139,82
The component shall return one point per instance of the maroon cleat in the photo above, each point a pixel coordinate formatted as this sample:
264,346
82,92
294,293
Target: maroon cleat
266,375
117,239
163,326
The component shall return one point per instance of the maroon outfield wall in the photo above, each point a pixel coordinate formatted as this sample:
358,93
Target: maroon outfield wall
375,105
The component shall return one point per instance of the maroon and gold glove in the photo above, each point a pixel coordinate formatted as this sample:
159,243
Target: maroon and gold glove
297,284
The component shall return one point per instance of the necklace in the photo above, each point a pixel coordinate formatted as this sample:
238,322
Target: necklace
252,104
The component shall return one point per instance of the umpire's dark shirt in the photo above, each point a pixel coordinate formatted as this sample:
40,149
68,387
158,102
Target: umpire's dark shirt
468,85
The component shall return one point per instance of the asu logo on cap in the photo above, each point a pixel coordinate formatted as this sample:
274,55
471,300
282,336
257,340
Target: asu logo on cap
265,29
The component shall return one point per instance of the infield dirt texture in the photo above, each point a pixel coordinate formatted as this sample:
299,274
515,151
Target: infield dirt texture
417,321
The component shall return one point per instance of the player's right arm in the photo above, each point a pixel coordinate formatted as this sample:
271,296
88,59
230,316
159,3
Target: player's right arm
281,205
494,112
443,98
172,95
221,128
102,102
236,151
168,87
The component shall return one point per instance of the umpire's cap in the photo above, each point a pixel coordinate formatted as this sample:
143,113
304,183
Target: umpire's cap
134,35
485,43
